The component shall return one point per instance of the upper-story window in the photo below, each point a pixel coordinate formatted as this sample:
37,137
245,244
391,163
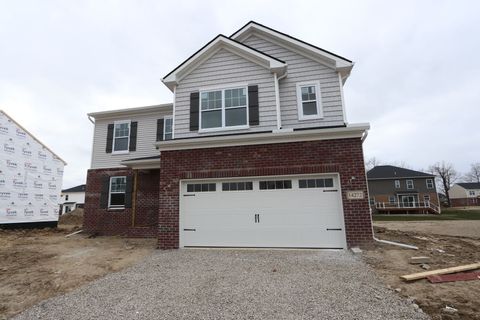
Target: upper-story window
225,108
429,183
471,192
167,128
397,184
309,100
410,184
121,136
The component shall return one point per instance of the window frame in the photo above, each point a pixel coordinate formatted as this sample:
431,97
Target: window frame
119,122
397,184
412,184
165,127
426,197
110,193
318,94
390,200
471,193
432,184
222,89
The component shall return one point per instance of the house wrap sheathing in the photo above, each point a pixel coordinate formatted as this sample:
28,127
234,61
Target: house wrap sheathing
30,176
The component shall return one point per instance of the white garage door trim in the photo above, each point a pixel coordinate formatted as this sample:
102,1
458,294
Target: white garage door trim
218,182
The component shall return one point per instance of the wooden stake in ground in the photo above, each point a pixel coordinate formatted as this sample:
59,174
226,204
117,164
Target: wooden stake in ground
421,275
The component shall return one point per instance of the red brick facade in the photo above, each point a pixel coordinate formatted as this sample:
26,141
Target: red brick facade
465,202
344,156
123,222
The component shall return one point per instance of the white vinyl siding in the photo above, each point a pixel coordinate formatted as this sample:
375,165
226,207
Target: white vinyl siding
225,68
146,137
302,69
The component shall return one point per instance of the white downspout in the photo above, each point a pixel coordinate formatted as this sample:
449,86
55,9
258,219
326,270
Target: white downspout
173,110
93,140
277,101
371,215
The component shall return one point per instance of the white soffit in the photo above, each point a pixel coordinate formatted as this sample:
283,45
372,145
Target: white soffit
222,42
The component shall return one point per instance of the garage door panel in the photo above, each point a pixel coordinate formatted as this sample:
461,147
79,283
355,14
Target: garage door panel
293,217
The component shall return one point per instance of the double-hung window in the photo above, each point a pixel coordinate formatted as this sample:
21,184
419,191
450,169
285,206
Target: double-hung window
116,197
167,128
397,184
121,136
410,185
309,100
222,109
429,183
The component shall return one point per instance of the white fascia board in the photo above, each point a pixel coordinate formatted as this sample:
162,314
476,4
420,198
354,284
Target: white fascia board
223,42
131,111
142,164
350,131
291,42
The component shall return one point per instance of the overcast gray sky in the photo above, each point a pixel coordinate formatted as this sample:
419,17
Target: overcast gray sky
416,77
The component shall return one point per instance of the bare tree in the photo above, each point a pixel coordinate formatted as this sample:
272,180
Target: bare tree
474,174
372,162
447,175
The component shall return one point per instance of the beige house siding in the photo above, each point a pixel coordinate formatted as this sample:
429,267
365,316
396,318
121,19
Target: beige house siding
146,138
301,69
221,69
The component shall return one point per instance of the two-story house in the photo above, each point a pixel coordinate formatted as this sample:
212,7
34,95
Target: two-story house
465,194
254,151
72,198
399,190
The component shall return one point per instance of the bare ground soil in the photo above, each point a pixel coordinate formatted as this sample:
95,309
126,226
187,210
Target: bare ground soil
390,262
40,263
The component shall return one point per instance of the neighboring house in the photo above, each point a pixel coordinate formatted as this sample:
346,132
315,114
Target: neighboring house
399,190
465,194
254,151
30,177
72,199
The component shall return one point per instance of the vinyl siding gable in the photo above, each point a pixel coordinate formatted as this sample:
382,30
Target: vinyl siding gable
221,69
302,69
146,138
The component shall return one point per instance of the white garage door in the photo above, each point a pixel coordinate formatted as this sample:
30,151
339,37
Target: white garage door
301,212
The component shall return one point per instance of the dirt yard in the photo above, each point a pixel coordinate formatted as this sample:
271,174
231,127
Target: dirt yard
461,228
38,264
390,262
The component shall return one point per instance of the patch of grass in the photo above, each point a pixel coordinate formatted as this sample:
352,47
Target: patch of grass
447,214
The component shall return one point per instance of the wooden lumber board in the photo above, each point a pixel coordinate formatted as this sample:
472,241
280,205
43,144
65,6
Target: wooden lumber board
421,275
464,276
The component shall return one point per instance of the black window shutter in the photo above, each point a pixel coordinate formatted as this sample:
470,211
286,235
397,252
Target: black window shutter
104,192
128,192
194,109
253,105
108,149
160,124
133,136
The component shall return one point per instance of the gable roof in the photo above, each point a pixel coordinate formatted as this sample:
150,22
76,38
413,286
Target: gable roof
221,41
469,185
80,188
33,137
390,172
341,64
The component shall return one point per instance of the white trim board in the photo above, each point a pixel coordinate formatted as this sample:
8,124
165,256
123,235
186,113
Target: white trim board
351,131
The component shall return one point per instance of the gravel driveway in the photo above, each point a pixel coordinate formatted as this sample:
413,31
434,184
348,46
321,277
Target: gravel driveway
234,284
